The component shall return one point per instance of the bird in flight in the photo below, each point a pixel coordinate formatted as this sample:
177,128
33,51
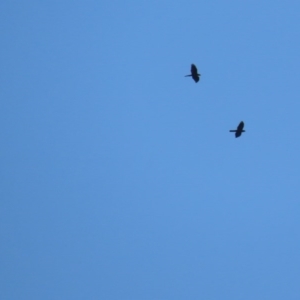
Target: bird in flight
194,73
238,130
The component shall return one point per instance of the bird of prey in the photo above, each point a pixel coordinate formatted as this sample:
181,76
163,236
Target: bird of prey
239,130
194,73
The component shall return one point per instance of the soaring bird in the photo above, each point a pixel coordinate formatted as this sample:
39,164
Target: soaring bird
194,73
239,130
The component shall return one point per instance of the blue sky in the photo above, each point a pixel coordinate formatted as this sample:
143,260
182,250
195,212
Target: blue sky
119,177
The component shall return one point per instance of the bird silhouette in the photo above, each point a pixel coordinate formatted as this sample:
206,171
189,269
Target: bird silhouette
239,129
194,73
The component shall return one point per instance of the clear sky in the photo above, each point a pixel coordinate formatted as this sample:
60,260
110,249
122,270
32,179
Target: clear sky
119,177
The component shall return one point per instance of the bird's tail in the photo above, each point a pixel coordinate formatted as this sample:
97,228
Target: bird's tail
232,130
187,75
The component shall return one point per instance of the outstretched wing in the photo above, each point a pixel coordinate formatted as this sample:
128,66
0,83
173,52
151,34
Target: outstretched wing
238,133
195,77
241,126
194,69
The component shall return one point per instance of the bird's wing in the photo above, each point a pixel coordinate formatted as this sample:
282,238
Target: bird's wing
241,126
194,69
196,78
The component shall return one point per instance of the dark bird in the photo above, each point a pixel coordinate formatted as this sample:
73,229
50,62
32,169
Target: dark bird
194,73
239,130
